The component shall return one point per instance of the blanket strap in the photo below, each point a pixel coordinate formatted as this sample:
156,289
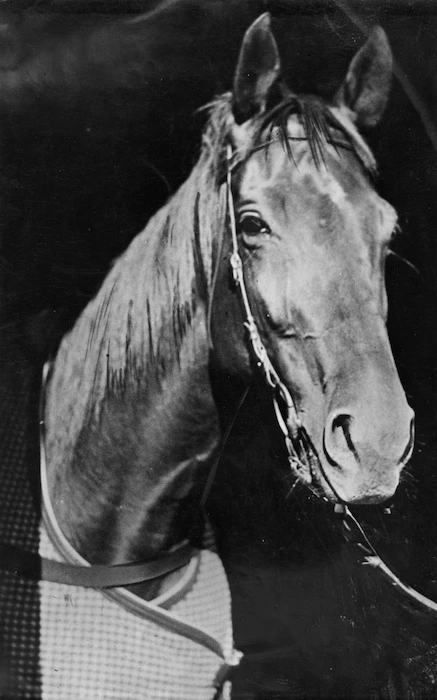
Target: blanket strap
29,565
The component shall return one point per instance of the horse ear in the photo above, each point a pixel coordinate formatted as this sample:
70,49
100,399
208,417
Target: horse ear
257,69
366,87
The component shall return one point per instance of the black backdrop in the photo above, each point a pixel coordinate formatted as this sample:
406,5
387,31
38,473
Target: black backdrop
98,125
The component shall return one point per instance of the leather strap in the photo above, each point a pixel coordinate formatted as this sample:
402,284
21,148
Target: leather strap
29,565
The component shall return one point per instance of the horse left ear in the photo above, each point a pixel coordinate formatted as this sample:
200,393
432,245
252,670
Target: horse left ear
366,87
257,69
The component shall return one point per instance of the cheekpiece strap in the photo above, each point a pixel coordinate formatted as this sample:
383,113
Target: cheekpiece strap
287,418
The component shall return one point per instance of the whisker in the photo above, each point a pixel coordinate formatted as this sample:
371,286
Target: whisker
294,485
404,260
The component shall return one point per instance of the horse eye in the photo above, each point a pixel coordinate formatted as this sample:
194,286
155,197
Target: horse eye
252,225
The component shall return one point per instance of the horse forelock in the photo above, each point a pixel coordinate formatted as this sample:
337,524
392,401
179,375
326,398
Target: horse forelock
322,124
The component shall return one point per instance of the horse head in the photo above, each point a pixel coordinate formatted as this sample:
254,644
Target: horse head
313,235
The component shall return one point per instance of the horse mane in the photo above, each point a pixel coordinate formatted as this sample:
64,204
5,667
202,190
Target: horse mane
322,125
133,330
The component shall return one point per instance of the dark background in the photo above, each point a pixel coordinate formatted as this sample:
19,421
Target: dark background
98,126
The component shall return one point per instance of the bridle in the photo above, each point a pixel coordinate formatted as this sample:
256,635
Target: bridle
297,443
289,423
296,440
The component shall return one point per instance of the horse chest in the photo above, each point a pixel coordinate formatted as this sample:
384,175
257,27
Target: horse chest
91,647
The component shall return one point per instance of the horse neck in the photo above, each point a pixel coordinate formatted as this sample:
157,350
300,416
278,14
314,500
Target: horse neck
131,424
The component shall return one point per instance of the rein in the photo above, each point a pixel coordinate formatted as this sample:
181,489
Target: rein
355,535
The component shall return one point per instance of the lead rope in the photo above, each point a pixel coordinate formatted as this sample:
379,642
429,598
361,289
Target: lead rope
355,535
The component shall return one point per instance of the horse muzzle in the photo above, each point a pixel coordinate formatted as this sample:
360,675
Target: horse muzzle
363,456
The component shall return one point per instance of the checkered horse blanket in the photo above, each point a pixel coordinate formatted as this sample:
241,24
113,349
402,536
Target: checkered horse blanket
62,642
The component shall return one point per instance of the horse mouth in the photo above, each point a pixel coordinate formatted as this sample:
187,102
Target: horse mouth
309,471
365,476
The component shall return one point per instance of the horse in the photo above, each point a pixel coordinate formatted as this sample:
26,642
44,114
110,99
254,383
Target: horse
267,265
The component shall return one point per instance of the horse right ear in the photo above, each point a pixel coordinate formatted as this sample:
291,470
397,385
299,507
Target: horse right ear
366,87
257,69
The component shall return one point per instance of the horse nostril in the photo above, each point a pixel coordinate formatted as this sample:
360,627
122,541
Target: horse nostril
409,448
338,439
341,420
